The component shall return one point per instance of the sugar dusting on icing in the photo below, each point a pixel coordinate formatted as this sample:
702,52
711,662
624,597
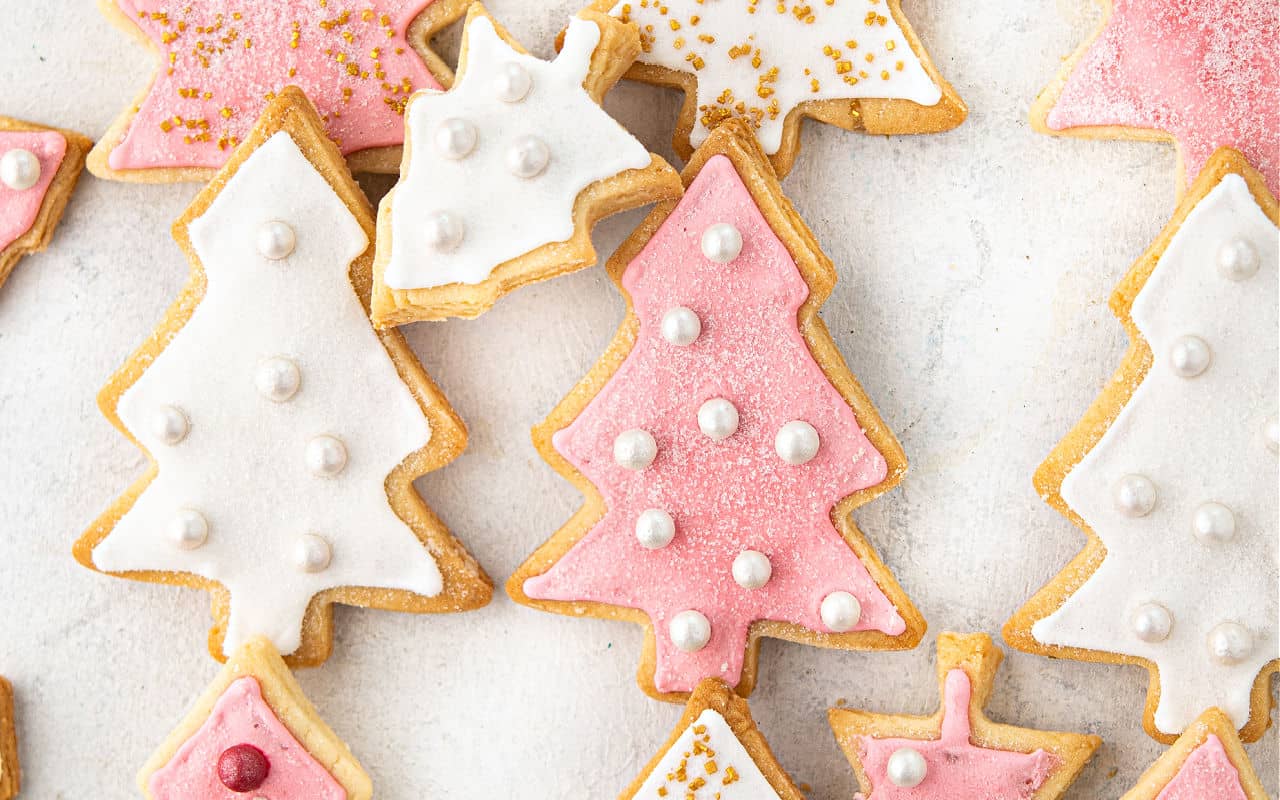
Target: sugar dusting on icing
955,767
1207,71
222,60
1207,773
19,208
724,496
707,762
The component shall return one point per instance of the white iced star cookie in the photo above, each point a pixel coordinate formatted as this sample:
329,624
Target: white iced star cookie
1172,472
505,174
855,64
284,433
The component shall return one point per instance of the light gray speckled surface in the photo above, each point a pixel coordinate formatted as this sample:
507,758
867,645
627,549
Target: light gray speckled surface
974,271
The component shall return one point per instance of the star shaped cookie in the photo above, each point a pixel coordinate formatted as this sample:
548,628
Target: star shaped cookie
10,775
1207,762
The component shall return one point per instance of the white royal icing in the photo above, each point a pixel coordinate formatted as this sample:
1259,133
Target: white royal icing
758,59
504,200
1198,439
707,750
243,465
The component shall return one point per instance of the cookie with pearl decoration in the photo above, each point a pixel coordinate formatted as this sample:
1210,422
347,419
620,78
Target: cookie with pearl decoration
958,752
39,169
1179,571
10,773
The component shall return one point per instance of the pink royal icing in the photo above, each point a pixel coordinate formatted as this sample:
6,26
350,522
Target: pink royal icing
241,716
1207,773
955,767
727,496
19,208
222,60
1206,71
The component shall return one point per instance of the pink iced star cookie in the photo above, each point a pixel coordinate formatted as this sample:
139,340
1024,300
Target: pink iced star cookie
221,61
1207,761
1203,73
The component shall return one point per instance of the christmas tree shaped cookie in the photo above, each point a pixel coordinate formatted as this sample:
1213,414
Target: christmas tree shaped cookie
219,62
39,168
721,443
1206,763
1172,472
505,173
1201,73
856,64
715,753
10,776
958,752
284,433
253,734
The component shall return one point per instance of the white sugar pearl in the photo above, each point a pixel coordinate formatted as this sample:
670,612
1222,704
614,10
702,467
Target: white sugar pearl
1213,523
680,326
527,157
1271,433
840,611
443,231
276,240
634,449
277,379
326,456
512,83
19,169
188,529
751,569
655,528
721,242
718,419
1135,495
1238,259
1151,622
455,138
906,767
1189,356
797,442
170,425
311,553
1230,643
690,631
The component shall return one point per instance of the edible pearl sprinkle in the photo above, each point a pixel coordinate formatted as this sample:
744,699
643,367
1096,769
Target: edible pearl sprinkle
1151,622
840,611
690,631
655,528
634,449
277,379
527,157
721,243
1213,523
312,553
188,529
751,569
326,456
797,442
906,767
1135,495
442,231
1189,356
1238,260
680,326
718,419
1271,432
455,138
170,425
276,240
19,169
512,83
1230,643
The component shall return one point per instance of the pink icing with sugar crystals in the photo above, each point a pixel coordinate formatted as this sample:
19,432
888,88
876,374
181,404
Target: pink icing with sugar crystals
1207,773
19,209
241,716
725,496
220,61
1206,71
957,768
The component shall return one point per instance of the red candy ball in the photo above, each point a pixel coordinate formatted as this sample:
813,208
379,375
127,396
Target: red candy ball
243,768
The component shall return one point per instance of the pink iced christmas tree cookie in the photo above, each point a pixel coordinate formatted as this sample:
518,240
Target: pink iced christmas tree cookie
1202,73
253,734
721,443
958,752
219,62
1206,763
39,168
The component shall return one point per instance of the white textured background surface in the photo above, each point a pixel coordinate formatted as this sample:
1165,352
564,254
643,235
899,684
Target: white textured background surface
974,271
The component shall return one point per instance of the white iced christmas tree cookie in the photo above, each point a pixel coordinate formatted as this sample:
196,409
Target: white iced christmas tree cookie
505,173
1173,471
284,433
